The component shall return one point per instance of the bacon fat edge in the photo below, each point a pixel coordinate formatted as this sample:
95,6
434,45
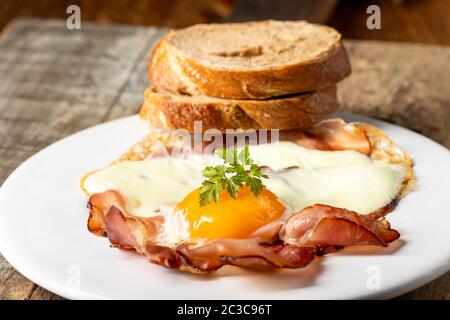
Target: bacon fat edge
304,235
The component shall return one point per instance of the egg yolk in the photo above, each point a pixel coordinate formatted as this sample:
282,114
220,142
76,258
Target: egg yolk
230,218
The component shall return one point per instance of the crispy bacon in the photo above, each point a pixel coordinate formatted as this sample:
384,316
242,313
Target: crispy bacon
322,225
215,254
135,233
99,205
118,231
328,135
332,135
313,231
245,253
109,218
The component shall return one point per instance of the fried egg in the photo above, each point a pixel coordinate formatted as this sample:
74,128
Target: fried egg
298,177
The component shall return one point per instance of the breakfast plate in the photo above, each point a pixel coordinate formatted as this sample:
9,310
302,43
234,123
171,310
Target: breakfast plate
43,233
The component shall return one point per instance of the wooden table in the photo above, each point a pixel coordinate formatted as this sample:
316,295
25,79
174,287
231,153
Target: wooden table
54,82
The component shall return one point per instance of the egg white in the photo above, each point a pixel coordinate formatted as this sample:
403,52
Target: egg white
345,179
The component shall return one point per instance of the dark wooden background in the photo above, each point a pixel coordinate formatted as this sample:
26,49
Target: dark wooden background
424,21
56,86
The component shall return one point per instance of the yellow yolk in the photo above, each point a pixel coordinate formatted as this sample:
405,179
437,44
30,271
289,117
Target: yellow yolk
230,218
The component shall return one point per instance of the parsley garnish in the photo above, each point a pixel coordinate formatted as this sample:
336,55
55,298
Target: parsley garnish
238,170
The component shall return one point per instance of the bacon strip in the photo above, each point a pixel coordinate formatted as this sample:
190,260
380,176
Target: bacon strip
118,232
245,253
313,231
135,233
109,218
99,205
332,135
328,135
322,225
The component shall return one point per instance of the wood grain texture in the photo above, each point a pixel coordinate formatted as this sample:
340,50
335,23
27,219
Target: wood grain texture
54,82
406,84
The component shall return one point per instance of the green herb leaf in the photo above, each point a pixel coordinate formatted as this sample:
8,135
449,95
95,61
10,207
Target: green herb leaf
238,170
244,156
208,191
210,172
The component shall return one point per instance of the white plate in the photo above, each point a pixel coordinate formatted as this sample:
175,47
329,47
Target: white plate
43,233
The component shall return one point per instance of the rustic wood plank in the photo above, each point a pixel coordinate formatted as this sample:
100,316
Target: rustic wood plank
129,102
406,84
55,82
13,285
438,289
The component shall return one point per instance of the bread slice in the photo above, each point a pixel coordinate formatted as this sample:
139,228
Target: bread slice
175,111
252,60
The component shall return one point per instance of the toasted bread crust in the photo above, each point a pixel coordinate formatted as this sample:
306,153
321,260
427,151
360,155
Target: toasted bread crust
171,111
171,70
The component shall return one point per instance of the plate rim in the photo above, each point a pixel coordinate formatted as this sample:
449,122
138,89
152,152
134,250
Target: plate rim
74,293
